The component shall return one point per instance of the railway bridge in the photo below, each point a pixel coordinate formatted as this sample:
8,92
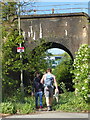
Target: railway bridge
66,31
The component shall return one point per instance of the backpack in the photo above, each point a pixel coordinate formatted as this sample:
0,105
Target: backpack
37,85
49,80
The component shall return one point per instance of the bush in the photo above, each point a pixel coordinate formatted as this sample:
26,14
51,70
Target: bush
12,107
81,71
27,107
9,86
71,103
8,108
62,73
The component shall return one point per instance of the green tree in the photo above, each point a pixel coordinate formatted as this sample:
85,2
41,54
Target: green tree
9,10
62,72
11,63
32,60
36,59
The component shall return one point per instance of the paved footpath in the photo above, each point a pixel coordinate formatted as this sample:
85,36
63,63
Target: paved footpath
51,114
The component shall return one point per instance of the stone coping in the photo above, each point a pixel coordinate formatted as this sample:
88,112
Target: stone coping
36,16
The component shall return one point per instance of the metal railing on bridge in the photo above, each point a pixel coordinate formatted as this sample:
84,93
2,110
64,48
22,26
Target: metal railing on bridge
56,8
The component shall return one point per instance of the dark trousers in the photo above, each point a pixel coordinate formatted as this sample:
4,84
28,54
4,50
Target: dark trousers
38,98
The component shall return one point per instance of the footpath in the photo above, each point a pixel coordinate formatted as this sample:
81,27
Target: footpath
51,114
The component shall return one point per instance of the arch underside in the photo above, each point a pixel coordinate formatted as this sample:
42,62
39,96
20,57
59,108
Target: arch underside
57,45
52,45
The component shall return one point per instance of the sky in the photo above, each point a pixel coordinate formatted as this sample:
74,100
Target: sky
58,0
45,7
62,0
60,7
56,51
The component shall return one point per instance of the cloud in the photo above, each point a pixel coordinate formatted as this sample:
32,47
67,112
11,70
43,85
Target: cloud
55,51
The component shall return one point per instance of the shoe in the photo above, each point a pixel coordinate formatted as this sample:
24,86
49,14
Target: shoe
49,108
37,107
40,107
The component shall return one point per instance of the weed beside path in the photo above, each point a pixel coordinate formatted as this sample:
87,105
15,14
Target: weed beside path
68,102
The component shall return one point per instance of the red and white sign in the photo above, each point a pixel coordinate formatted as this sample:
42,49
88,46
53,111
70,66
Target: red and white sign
20,49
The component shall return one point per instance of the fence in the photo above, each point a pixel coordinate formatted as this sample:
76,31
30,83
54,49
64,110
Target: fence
52,8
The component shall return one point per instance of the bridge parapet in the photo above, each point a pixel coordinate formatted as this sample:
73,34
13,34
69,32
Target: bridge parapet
55,8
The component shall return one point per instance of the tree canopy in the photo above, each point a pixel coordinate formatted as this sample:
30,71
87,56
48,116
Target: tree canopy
11,62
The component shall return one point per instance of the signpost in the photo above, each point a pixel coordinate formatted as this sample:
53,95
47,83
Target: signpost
20,49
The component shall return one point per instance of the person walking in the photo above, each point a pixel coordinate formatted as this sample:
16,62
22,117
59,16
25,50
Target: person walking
48,79
38,90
